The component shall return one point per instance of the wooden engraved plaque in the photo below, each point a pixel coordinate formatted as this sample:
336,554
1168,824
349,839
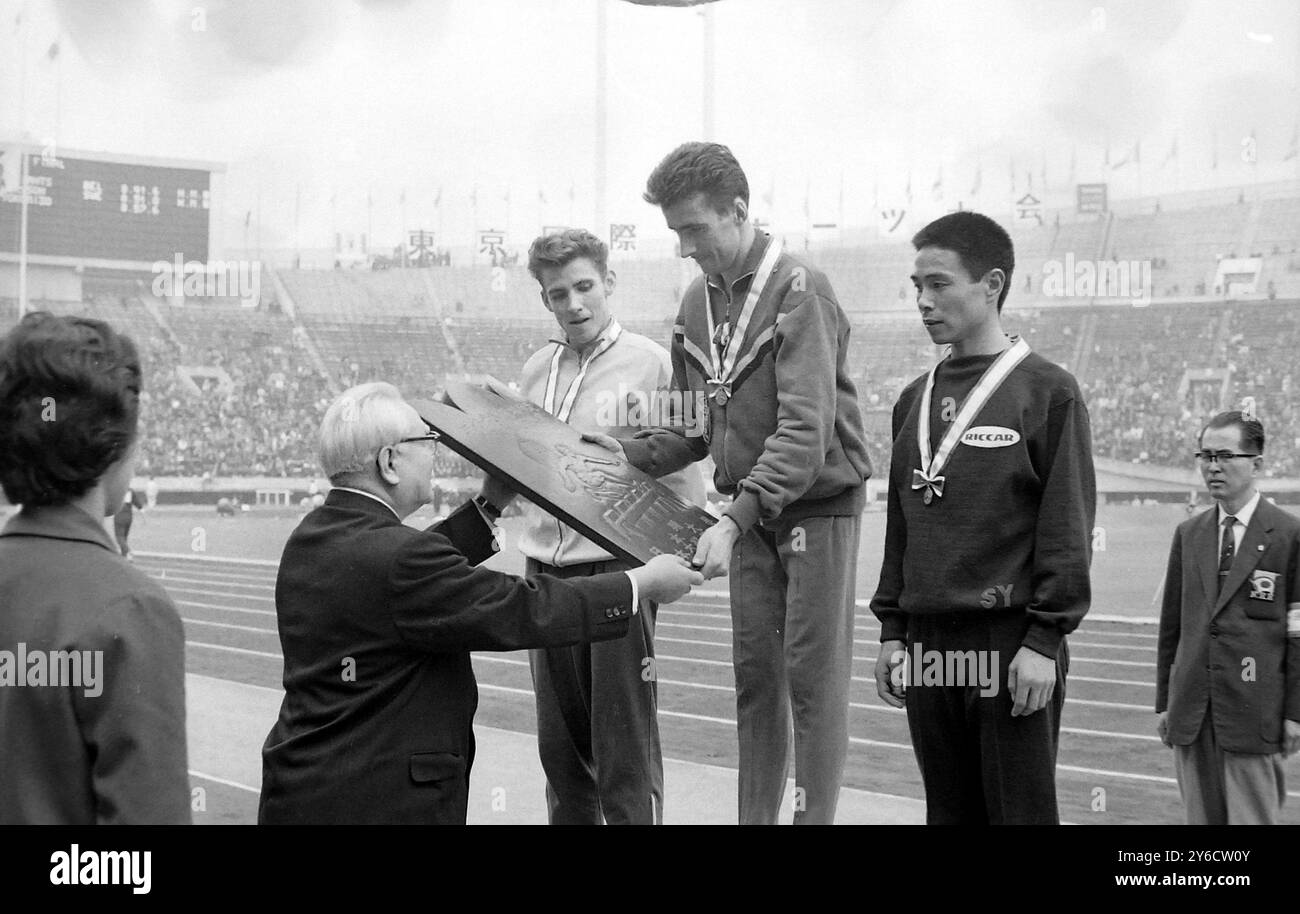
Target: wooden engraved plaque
598,493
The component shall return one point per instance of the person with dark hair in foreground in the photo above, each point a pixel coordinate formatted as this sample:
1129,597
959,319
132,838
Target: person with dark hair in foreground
92,678
988,541
1228,656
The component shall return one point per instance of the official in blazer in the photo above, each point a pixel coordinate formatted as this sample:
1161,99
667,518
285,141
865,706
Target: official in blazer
377,621
1228,666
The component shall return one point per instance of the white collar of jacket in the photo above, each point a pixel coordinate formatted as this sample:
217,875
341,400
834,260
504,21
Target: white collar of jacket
610,326
1245,514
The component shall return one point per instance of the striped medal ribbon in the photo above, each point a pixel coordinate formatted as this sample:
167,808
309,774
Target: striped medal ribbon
571,395
723,366
927,479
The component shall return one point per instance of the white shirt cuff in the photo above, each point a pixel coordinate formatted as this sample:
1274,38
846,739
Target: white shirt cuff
636,602
491,525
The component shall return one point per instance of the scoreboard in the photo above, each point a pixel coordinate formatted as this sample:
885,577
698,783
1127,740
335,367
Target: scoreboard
79,207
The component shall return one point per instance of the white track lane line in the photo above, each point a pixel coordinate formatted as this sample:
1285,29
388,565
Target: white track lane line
176,579
224,608
220,593
234,650
877,707
229,783
231,626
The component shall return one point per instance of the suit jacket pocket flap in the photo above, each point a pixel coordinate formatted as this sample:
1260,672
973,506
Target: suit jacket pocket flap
1263,599
429,767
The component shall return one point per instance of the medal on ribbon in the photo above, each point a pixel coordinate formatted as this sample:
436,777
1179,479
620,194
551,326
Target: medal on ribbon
927,480
728,339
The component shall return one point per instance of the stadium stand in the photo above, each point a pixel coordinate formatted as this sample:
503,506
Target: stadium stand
1278,240
1263,362
413,353
233,391
497,346
1184,245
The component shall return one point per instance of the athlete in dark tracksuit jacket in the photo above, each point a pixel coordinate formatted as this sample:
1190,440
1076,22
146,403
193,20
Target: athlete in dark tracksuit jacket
998,562
789,445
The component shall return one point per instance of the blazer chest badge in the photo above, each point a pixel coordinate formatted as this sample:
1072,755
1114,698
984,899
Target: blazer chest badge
1262,585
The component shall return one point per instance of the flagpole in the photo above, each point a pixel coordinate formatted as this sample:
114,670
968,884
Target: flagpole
437,204
22,231
1137,149
21,31
601,118
259,219
841,220
1254,167
474,230
807,213
405,227
57,50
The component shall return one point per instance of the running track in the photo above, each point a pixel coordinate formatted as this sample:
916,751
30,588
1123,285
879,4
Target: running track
1111,768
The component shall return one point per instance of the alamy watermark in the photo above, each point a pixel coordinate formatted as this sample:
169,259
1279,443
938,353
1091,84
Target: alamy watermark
1125,279
89,867
179,278
61,669
919,667
636,408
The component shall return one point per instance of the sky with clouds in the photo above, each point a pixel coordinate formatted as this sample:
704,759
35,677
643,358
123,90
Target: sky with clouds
481,111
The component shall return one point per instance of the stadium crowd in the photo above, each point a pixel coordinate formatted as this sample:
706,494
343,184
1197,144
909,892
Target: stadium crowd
262,421
227,399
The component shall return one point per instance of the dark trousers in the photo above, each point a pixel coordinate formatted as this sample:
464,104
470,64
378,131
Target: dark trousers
597,730
980,765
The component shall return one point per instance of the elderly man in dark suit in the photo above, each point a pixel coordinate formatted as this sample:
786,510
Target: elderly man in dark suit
377,621
1228,666
92,652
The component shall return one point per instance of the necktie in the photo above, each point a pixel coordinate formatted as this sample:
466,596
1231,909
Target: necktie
1228,549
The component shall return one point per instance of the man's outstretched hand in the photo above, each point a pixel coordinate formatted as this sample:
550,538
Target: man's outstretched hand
665,579
608,442
502,389
498,493
713,551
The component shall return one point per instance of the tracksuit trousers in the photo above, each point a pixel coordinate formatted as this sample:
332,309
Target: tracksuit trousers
597,729
792,615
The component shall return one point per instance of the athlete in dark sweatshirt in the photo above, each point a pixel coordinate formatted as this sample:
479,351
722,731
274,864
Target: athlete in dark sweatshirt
988,542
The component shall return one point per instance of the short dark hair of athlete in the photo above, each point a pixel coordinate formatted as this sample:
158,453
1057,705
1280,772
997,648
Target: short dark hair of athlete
558,249
979,242
698,168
